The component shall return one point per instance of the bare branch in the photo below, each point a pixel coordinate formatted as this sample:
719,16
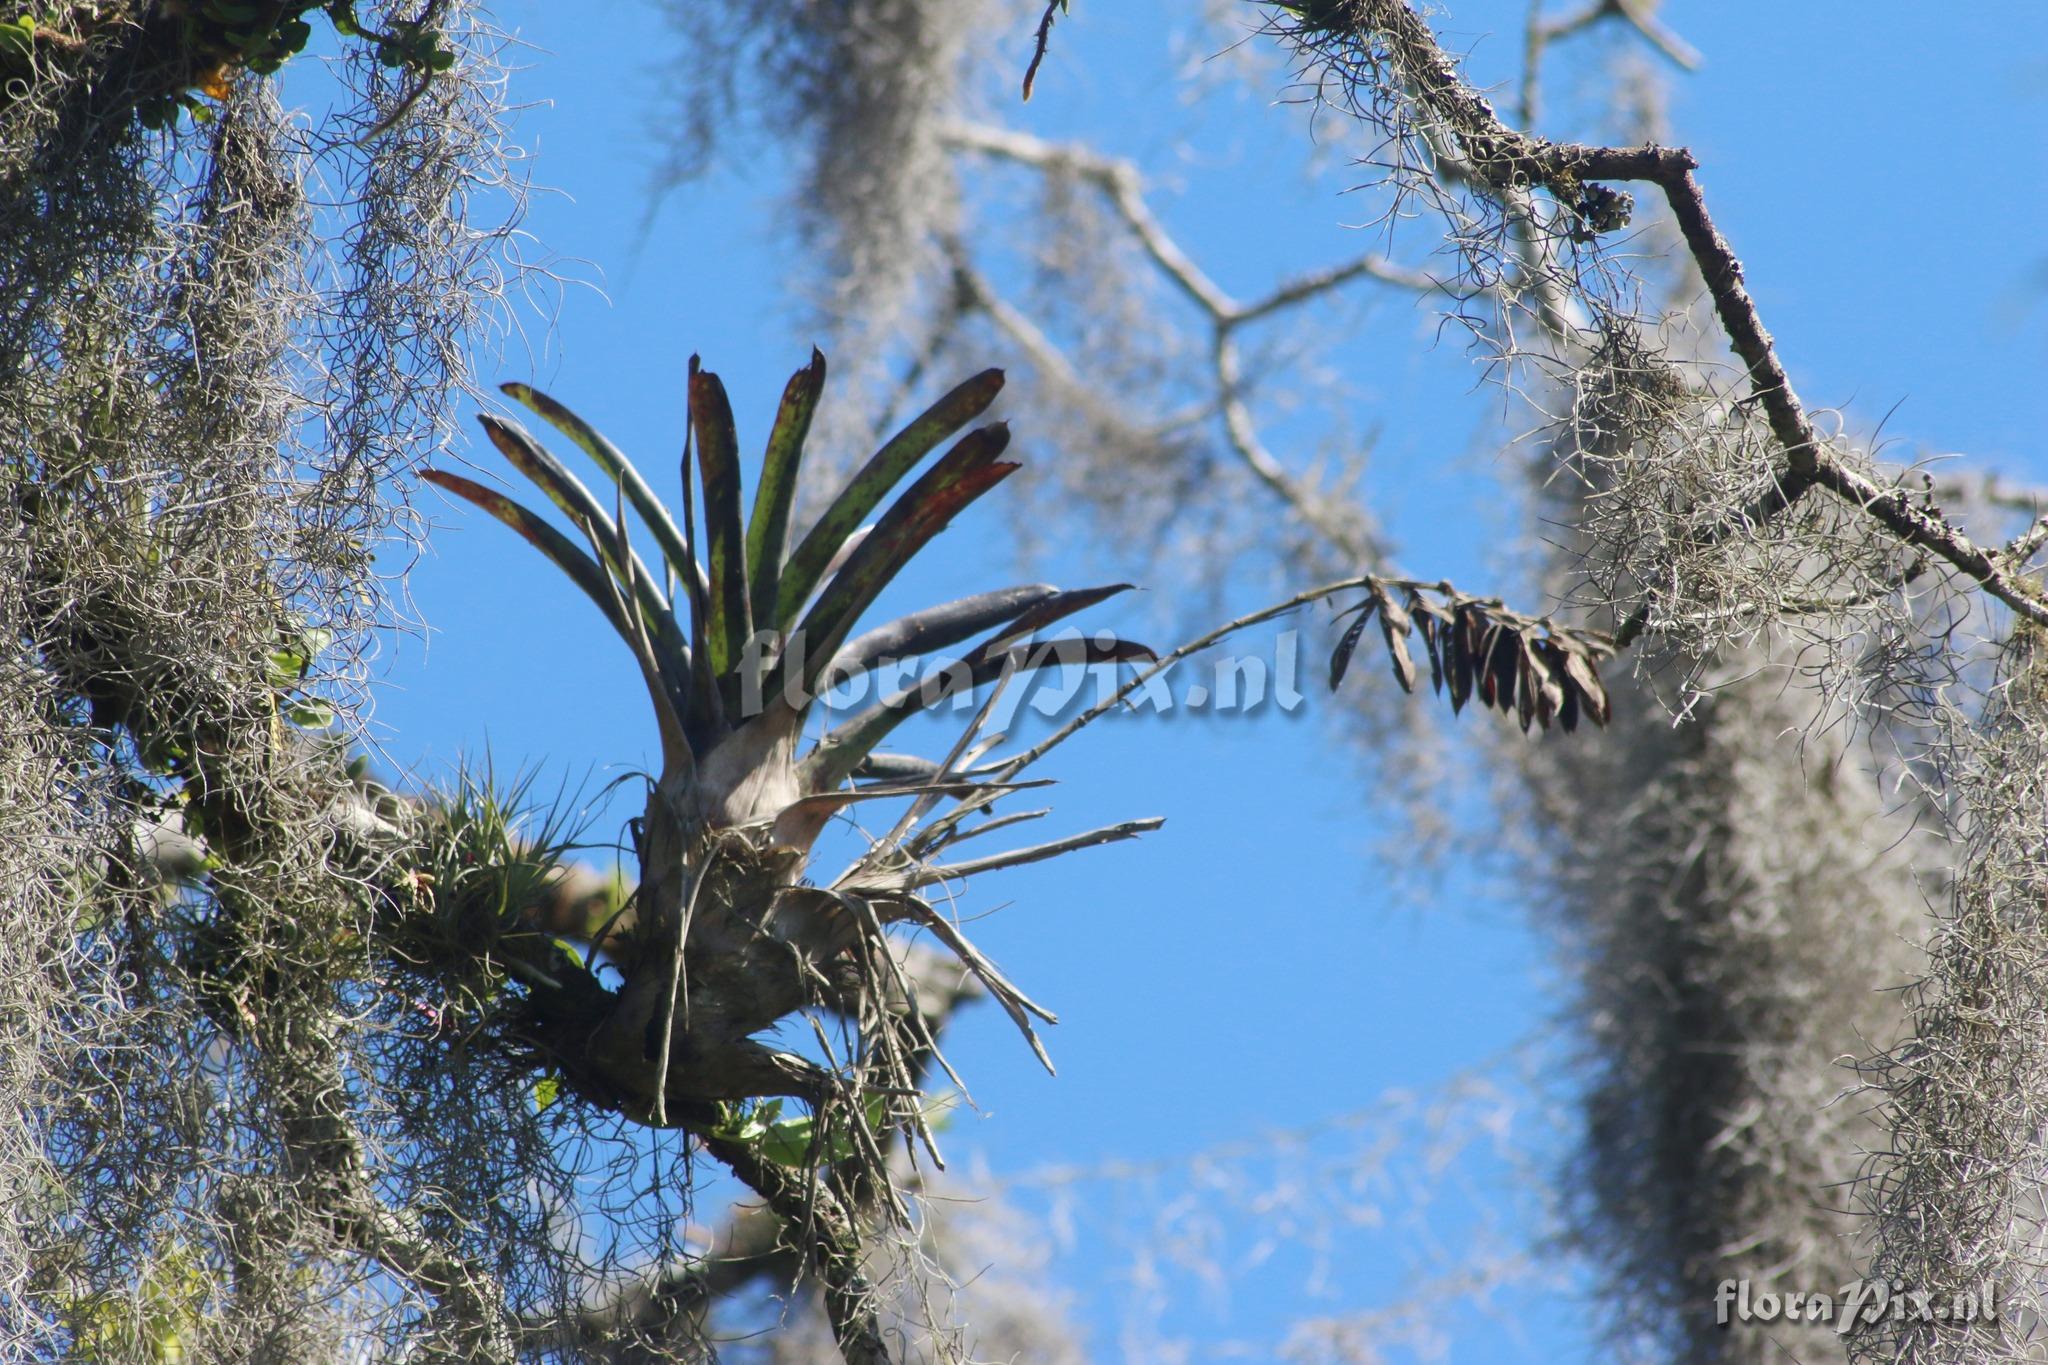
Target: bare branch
1108,834
1342,534
1040,41
1304,287
1640,15
1120,183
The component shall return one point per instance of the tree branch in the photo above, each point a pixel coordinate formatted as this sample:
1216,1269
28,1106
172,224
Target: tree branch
1505,160
1638,15
810,1209
1120,183
1251,451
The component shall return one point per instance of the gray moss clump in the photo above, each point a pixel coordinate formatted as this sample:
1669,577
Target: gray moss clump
227,336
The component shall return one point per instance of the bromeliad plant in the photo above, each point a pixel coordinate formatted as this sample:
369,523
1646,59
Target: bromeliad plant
736,635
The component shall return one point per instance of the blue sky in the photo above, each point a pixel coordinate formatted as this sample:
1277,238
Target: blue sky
1258,963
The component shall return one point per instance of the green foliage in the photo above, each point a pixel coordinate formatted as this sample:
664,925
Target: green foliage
478,868
808,563
287,668
200,46
710,641
795,1142
151,1322
17,37
263,37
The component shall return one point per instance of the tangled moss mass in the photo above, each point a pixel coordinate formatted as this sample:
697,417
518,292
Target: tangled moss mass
214,385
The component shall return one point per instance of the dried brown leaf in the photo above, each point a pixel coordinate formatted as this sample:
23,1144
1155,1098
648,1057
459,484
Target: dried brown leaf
1465,642
1340,657
1525,688
1504,664
1397,654
1431,622
1587,680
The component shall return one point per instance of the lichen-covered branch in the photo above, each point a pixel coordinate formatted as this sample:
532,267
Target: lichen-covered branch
811,1210
1353,36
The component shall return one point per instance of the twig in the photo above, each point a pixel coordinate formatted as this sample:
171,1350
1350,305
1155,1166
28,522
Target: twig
1306,286
2022,548
1301,599
1108,834
1052,7
1637,15
1015,1003
877,940
1121,184
1046,357
1244,439
934,836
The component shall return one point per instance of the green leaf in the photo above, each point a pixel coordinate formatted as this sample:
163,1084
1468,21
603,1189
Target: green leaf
768,530
284,668
710,720
744,1122
160,752
310,714
963,474
582,570
671,539
287,667
883,471
788,1143
233,11
938,627
1048,610
794,1142
568,493
718,467
674,544
546,1091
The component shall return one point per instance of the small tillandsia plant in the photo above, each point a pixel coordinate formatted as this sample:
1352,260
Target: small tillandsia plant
725,935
